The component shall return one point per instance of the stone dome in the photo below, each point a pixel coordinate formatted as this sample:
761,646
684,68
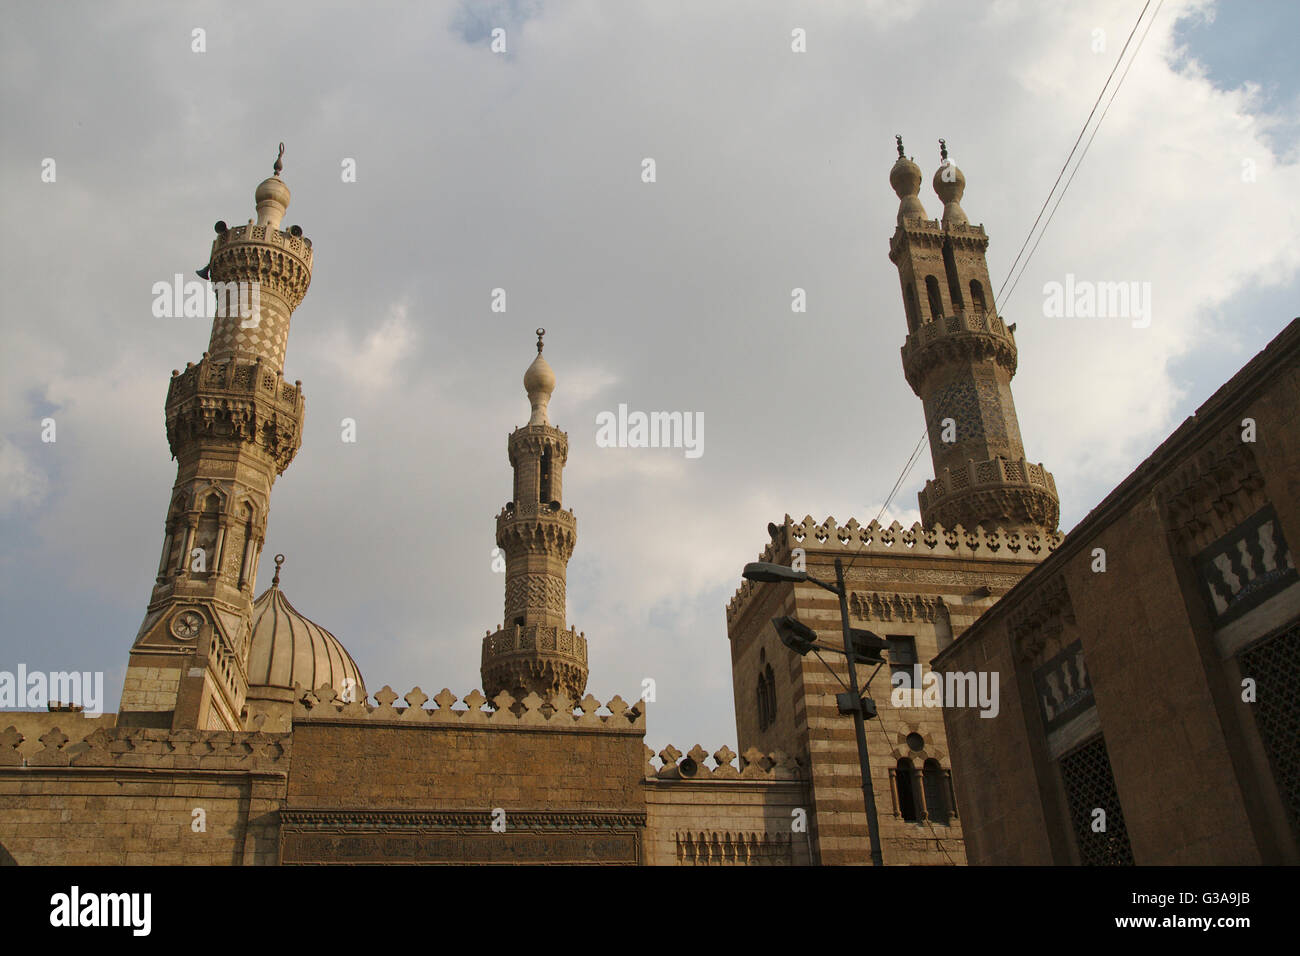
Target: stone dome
288,649
539,383
950,184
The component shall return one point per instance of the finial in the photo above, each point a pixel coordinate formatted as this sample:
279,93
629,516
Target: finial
279,160
898,138
275,580
540,333
943,150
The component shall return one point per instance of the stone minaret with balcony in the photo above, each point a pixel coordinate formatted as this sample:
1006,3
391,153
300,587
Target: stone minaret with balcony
534,651
959,358
234,425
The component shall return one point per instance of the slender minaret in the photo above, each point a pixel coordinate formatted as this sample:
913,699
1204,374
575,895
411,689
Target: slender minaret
533,651
959,358
233,425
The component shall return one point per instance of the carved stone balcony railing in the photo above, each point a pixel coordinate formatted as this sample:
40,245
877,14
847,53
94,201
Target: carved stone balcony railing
279,262
299,246
534,657
1026,492
969,335
534,527
235,401
536,638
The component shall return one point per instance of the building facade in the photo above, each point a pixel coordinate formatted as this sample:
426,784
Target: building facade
1149,666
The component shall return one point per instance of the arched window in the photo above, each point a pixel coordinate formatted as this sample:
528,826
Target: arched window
905,783
936,792
913,309
766,692
954,283
544,490
932,293
977,295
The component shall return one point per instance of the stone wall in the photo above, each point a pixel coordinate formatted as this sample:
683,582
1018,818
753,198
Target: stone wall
519,782
699,814
97,795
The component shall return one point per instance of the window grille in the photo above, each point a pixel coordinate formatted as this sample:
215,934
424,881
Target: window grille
1089,784
1274,664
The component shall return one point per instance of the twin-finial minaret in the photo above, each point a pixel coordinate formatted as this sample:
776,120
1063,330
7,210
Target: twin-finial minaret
959,358
234,425
534,651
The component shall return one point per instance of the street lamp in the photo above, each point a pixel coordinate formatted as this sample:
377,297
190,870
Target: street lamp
860,646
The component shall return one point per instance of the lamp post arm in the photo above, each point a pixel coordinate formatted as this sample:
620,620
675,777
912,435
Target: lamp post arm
826,584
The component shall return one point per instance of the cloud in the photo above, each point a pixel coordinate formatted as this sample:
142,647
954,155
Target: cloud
22,485
477,172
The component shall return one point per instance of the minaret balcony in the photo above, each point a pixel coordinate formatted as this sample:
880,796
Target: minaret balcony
1025,493
969,335
298,246
279,262
536,513
235,401
537,658
530,640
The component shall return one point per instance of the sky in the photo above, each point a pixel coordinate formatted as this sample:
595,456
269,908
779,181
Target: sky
522,170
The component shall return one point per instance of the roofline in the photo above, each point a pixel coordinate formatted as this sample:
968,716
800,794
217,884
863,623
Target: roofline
1167,456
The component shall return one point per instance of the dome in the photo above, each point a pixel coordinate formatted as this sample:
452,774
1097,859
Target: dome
272,188
272,197
539,383
950,184
905,178
288,649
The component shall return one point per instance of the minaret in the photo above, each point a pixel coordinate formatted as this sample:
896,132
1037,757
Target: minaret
959,358
533,651
233,425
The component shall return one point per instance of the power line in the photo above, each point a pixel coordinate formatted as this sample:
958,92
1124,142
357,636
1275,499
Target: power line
1079,139
911,462
1083,155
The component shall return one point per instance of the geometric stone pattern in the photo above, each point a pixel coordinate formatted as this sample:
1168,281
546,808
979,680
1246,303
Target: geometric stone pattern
534,590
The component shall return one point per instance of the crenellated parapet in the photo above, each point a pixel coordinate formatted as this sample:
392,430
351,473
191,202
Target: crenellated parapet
964,336
238,401
754,765
147,749
532,712
935,540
